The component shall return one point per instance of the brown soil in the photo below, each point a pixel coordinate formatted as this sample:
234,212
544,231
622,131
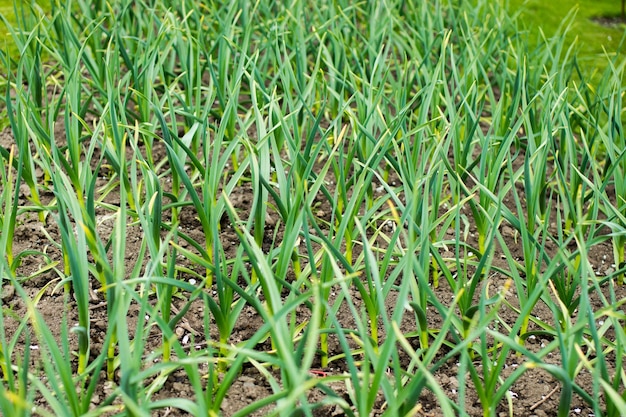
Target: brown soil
610,21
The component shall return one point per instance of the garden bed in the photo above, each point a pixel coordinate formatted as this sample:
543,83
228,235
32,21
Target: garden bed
339,209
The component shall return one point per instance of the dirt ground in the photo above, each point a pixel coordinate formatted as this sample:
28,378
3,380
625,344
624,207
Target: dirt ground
536,393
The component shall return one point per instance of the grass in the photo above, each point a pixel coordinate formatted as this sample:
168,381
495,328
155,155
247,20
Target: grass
593,39
389,197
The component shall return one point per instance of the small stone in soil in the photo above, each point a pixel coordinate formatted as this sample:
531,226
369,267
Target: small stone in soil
8,292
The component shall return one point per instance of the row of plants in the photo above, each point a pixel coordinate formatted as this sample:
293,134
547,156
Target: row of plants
393,141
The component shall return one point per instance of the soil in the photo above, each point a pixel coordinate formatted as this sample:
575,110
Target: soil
610,21
535,393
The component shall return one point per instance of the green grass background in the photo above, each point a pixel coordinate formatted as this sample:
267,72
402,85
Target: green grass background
7,10
594,40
